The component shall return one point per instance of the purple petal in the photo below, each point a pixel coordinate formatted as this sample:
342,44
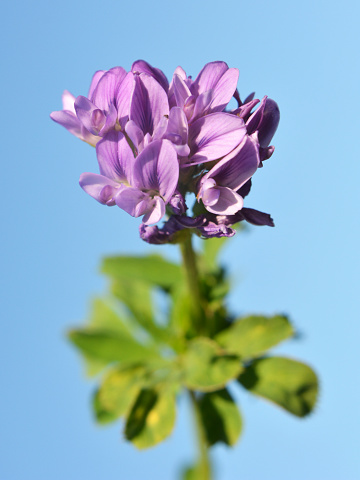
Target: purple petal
213,230
181,91
114,156
265,153
157,169
101,188
255,119
156,213
89,115
68,101
245,189
210,196
135,134
249,98
236,168
133,201
94,81
252,216
177,131
149,103
208,77
228,203
224,90
269,123
202,104
214,136
110,121
107,88
123,98
152,234
68,120
244,110
140,66
177,204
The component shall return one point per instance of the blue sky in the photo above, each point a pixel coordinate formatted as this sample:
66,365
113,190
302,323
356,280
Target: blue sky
305,56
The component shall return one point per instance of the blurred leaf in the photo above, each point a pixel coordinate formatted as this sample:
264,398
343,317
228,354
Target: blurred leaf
221,417
136,295
152,269
110,346
252,336
104,317
288,383
207,367
101,414
152,418
182,314
191,473
118,392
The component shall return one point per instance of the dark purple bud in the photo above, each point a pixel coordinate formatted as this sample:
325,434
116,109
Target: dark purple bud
255,217
269,123
177,204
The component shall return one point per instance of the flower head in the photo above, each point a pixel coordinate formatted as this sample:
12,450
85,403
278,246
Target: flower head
157,142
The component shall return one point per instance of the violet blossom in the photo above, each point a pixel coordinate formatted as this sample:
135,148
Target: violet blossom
156,142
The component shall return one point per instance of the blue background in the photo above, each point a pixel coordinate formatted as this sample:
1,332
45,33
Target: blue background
305,56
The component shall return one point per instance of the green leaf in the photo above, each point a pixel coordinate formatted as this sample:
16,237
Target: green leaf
102,415
110,346
136,296
104,317
290,384
250,337
118,392
207,367
193,472
152,418
183,316
152,269
221,417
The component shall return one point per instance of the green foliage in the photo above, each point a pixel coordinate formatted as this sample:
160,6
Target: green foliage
152,269
251,336
119,390
152,417
290,384
207,366
110,346
221,417
191,473
146,363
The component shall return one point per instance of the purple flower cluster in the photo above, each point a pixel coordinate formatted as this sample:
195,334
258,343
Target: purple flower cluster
156,142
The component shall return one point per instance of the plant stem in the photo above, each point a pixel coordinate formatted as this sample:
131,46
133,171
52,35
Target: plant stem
189,259
192,278
204,465
199,308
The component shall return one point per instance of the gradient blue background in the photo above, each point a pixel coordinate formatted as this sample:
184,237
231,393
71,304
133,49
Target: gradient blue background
305,56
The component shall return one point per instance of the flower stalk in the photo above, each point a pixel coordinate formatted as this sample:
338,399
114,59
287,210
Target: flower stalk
204,464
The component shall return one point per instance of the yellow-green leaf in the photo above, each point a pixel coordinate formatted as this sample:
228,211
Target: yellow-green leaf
110,346
221,417
152,269
251,336
119,390
290,384
207,367
152,418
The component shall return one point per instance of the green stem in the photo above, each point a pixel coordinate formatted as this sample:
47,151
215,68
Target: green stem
192,278
204,465
192,274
